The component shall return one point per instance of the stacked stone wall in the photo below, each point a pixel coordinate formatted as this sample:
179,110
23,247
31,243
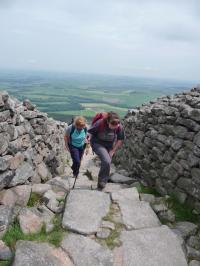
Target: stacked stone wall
162,145
31,144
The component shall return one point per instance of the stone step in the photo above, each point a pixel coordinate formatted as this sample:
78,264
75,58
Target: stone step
86,252
84,210
126,194
136,214
82,182
152,247
118,178
40,254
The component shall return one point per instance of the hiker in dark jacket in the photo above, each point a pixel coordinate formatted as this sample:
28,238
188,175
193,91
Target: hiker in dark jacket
75,142
107,135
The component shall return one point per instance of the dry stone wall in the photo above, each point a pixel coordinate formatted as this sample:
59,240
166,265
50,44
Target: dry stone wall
163,145
31,144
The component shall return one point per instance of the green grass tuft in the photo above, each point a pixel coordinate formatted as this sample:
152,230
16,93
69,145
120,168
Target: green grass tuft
89,175
148,190
5,263
109,216
14,234
111,240
183,212
34,200
56,236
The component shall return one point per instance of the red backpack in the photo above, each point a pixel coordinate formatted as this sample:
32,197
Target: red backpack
102,116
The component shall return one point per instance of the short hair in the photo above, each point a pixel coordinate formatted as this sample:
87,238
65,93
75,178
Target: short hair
80,121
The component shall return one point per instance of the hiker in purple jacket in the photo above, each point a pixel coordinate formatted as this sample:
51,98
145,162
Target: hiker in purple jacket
106,136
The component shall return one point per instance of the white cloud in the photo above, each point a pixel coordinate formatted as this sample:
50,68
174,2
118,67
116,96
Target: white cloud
110,36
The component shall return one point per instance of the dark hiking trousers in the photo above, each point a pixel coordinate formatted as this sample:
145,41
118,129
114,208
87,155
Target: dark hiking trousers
76,154
104,156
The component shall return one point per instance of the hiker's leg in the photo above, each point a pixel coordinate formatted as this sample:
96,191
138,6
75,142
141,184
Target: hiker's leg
81,152
75,154
105,162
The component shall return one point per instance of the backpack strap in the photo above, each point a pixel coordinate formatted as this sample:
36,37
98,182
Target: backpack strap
71,132
101,125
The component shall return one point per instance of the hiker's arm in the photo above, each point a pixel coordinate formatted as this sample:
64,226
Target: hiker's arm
115,147
87,139
118,142
94,128
87,143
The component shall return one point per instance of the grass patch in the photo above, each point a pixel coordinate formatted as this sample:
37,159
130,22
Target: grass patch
61,200
100,107
87,113
14,234
109,216
89,175
34,200
5,263
56,236
112,240
148,190
67,163
183,212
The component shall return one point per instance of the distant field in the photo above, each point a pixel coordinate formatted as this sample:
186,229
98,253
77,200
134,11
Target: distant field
65,96
101,107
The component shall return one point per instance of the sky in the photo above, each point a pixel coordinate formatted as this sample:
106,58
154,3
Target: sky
147,38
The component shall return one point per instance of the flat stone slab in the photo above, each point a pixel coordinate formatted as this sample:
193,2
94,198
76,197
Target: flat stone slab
194,263
118,178
152,247
112,187
59,184
82,182
30,253
86,252
137,215
40,188
84,210
126,194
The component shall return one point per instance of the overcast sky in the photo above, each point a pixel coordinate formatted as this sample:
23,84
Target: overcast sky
151,38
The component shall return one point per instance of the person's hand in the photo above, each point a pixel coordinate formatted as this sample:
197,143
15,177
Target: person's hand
87,149
111,153
67,147
87,140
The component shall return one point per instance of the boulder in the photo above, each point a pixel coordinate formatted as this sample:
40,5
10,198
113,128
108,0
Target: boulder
40,254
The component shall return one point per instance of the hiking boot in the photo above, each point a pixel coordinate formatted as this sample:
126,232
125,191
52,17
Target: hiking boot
101,186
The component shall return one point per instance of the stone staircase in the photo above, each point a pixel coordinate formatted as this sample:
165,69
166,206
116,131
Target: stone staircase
112,227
